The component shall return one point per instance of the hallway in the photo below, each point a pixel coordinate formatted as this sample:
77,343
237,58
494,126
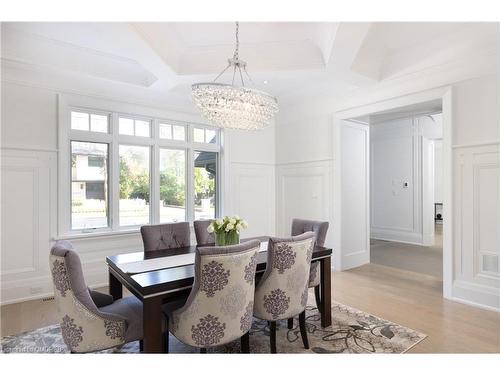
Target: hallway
421,259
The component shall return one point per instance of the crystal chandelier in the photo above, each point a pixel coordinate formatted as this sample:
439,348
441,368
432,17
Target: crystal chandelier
231,106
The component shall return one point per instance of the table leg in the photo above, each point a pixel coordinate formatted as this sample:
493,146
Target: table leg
326,291
152,325
115,287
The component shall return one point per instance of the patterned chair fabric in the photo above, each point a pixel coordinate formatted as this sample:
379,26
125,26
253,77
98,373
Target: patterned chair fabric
319,228
282,291
85,326
219,308
200,231
165,236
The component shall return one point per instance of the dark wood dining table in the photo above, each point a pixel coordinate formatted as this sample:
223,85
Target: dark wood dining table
154,288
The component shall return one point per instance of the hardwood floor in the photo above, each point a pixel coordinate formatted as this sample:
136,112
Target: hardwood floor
415,300
404,297
422,259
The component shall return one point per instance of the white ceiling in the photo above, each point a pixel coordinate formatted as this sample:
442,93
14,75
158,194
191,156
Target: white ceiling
159,61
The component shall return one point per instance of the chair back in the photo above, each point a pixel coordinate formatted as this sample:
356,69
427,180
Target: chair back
282,291
219,308
84,328
200,231
319,228
165,236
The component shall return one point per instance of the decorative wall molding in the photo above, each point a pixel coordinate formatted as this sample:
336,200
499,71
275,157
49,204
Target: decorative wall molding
252,196
492,143
293,163
7,147
303,189
477,208
28,219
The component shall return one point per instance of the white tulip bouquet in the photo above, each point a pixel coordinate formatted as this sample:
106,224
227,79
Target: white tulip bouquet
227,230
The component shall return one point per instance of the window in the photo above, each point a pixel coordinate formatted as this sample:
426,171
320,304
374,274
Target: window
89,195
134,185
205,180
172,185
130,170
175,132
204,135
89,122
130,126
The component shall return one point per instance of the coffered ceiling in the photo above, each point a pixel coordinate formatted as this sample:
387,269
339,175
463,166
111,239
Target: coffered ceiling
157,62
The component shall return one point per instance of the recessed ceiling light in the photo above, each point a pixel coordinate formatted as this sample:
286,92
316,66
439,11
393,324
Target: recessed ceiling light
266,82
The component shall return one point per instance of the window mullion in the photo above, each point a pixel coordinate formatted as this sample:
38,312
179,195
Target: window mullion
154,203
114,175
189,185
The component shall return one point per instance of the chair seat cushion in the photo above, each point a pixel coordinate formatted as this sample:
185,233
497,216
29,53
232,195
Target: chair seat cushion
129,308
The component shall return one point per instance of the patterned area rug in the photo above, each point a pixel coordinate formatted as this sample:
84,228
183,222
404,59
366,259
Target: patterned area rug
352,331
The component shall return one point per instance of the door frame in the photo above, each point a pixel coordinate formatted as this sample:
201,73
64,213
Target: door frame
445,94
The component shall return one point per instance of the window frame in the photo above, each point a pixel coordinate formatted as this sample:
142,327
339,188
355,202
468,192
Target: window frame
114,140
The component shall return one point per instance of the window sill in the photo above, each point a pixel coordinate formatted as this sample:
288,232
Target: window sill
77,236
103,234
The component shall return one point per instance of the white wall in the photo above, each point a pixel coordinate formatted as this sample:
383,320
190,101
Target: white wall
304,166
476,144
438,171
29,190
395,160
398,183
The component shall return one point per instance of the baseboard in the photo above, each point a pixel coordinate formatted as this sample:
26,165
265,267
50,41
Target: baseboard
476,295
475,304
392,240
397,236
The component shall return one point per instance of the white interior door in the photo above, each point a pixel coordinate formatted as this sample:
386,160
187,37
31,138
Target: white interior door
353,194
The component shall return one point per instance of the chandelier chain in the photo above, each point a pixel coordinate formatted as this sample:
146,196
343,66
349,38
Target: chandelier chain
237,49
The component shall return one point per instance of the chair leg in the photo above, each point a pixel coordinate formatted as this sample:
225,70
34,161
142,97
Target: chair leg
272,334
317,295
203,350
290,323
303,331
245,343
141,345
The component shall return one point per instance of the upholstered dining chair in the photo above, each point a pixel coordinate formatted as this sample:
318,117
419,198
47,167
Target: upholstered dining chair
200,231
282,291
90,321
319,228
219,308
165,236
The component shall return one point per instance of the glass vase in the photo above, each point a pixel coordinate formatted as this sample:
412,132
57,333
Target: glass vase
227,238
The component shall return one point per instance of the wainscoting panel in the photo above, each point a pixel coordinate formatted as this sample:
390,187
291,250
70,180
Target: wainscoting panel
28,203
251,195
304,191
477,214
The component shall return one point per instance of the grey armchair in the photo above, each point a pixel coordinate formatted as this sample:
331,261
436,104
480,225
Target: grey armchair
219,308
282,291
165,236
319,228
90,321
200,231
